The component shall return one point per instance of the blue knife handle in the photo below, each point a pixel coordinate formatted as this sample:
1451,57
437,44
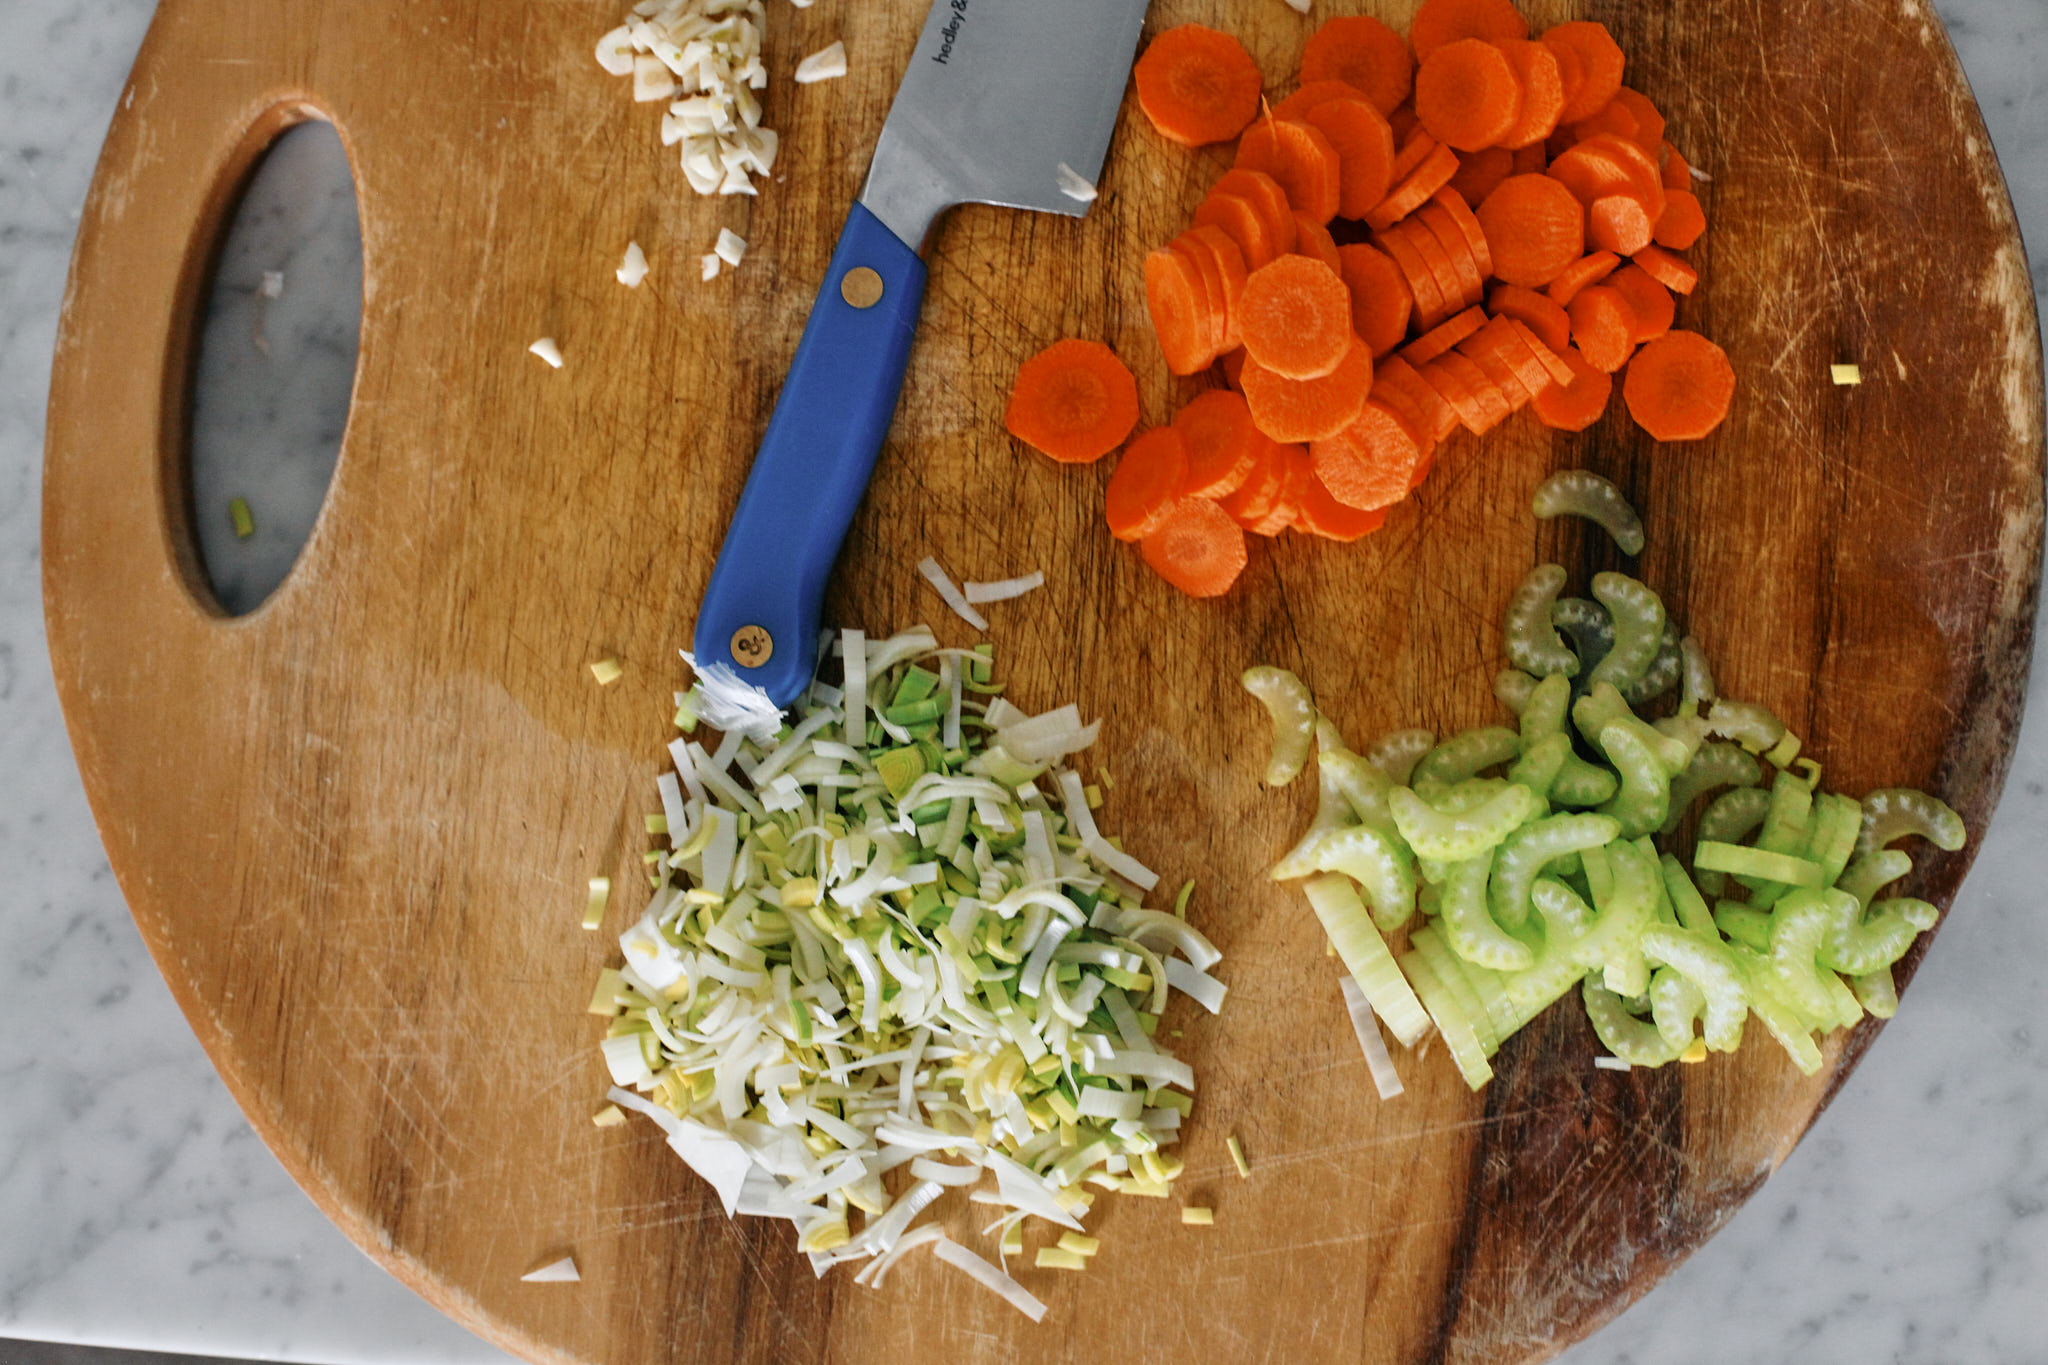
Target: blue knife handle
813,465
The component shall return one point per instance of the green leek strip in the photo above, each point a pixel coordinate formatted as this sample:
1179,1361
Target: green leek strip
1287,701
1451,1021
1364,954
1742,861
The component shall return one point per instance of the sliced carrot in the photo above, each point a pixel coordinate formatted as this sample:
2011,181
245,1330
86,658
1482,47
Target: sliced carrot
1403,388
1313,93
1363,53
1297,478
1437,340
1613,119
1577,405
1300,158
1600,60
1500,339
1485,394
1465,271
1297,319
1506,380
1215,301
1683,221
1533,159
1308,410
1178,302
1677,170
1430,307
1587,270
1221,443
1265,194
1649,122
1679,387
1667,270
1650,301
1237,216
1422,467
1233,369
1260,493
1198,85
1230,262
1410,194
1542,315
1147,481
1534,228
1430,248
1536,68
1455,392
1416,147
1198,548
1370,463
1571,80
1440,22
1480,173
1074,401
1607,164
1603,327
1467,95
1460,211
1381,300
1313,240
1620,223
1552,361
1405,126
1365,152
1319,514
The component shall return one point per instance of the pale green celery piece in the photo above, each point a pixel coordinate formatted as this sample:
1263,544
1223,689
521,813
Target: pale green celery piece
1779,872
1871,872
1328,736
1363,786
1676,1004
1895,812
1566,919
1628,908
1397,754
1696,678
1788,825
1836,821
1469,925
1524,854
1663,673
1583,784
1489,988
1541,762
1859,943
1728,819
1692,910
1433,833
1848,1010
1532,644
1548,708
1382,867
1638,629
1446,967
1598,872
1645,793
1587,630
1750,725
1793,1033
1701,958
1627,972
1635,1041
1805,919
1749,927
1287,700
1565,914
1713,765
1512,688
1877,992
1364,954
1337,772
1463,756
1582,493
1459,1034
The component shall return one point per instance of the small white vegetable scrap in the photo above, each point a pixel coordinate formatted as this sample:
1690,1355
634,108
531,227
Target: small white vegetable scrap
562,1271
731,248
826,64
634,268
1845,376
705,57
1074,185
546,349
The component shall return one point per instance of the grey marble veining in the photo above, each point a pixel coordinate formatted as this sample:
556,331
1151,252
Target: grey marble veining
136,1207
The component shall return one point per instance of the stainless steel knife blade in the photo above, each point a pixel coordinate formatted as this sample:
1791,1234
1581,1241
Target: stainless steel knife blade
999,95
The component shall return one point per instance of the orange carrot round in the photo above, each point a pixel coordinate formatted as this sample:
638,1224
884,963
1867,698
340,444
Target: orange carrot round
1223,253
1502,337
1313,240
1608,164
1587,270
1649,122
1264,194
1450,282
1365,152
1409,194
1363,53
1480,173
1220,441
1233,368
1296,477
1260,493
1290,410
1430,305
1215,303
1401,387
1147,481
1197,548
1198,85
1683,221
1540,314
1551,360
1175,297
1534,228
1603,327
1457,248
1650,301
1536,67
1300,158
1074,401
1315,93
1318,514
1494,407
1460,210
1381,300
1238,217
1600,62
1679,387
1467,95
1668,270
1455,392
1439,339
1441,22
1577,405
1677,170
1619,223
1297,318
1371,462
1503,376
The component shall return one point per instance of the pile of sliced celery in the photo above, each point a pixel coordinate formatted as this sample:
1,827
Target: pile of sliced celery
895,955
1469,884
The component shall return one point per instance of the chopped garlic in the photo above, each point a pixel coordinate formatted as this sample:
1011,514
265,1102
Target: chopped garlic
1846,375
707,53
711,266
615,52
546,349
554,1272
1074,185
823,65
1299,6
651,80
731,248
634,269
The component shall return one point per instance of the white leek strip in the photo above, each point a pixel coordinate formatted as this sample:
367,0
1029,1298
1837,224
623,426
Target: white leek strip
686,768
1002,590
1146,925
1611,1064
1204,989
909,1241
1151,1066
849,1169
854,645
907,644
1022,1188
1079,818
1384,1078
1041,739
863,962
1100,1102
938,578
1038,860
949,733
672,808
943,1173
554,1272
922,1138
1121,863
716,779
1029,979
953,1254
718,853
792,748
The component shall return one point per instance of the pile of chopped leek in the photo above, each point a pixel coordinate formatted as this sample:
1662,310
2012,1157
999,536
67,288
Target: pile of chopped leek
896,955
1469,884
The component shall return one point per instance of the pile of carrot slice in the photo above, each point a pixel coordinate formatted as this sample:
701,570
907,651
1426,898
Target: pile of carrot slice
1428,234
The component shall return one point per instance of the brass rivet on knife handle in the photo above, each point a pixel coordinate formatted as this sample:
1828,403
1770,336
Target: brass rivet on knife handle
861,287
751,646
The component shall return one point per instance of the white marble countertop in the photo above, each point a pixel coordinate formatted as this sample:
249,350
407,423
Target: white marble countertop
137,1208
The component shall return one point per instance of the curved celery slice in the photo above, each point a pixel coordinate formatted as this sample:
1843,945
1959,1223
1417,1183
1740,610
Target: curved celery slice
1729,817
1713,765
1449,837
1363,786
1397,754
1541,762
1364,954
1781,1019
1702,959
1695,677
1450,972
1469,925
1451,1021
1750,725
1532,644
1524,854
1565,914
1788,825
1676,1004
1645,795
1582,493
1751,928
1585,627
1638,629
1512,688
1624,911
1579,783
1858,943
1635,1041
1287,700
1344,794
1872,872
1836,821
1896,812
1382,867
1663,673
1547,709
1877,992
1463,756
1685,898
1804,920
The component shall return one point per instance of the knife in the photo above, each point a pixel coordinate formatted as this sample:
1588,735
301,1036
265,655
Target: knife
1001,98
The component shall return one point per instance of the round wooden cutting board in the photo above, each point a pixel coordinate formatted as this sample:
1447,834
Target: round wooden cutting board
355,825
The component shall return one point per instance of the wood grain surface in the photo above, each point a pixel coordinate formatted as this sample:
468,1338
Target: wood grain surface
355,825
